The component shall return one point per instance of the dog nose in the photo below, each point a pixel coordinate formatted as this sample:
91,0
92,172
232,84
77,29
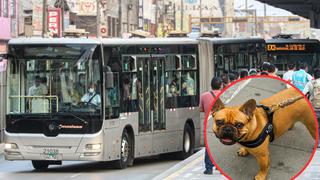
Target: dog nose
228,130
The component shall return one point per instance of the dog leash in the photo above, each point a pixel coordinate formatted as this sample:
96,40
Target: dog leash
269,128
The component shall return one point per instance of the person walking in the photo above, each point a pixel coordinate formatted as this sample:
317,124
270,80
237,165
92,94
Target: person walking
288,75
312,91
272,70
300,78
205,101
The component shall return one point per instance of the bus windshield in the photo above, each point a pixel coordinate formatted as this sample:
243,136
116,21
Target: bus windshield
45,79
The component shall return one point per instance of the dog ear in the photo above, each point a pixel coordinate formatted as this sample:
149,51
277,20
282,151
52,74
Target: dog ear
249,107
218,105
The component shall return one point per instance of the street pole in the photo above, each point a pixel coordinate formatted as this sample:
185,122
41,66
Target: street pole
119,18
44,17
181,20
174,15
98,18
264,19
156,17
200,15
62,15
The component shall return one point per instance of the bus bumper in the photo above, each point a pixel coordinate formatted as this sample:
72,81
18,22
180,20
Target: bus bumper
84,147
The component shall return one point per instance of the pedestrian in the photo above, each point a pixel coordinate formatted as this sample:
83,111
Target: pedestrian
300,78
264,68
236,74
244,73
253,72
205,101
225,80
232,77
272,70
312,91
288,75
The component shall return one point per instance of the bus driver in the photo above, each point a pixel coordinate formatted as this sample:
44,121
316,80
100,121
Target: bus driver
91,96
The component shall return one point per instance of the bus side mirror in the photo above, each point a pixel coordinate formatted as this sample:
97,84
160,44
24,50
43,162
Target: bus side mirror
109,80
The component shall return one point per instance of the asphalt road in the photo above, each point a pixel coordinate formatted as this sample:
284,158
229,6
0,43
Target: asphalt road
289,153
142,169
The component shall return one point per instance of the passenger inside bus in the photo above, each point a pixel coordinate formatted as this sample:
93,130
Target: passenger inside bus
81,84
91,97
37,89
44,84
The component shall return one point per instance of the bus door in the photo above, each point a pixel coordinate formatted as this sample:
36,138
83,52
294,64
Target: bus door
151,109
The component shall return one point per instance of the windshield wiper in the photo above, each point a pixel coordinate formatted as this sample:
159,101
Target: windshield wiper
77,117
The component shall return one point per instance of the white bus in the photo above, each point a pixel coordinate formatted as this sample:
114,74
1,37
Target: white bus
101,100
227,55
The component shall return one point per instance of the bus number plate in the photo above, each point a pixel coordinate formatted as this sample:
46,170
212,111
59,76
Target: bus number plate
51,154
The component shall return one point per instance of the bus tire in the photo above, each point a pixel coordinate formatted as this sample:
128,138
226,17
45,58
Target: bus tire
40,165
126,150
187,143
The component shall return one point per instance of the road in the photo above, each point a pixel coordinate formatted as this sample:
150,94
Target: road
142,169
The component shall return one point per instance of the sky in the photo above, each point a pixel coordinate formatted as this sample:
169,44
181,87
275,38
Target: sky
253,4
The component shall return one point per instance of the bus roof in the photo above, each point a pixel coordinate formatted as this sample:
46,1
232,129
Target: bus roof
148,41
292,41
233,40
39,40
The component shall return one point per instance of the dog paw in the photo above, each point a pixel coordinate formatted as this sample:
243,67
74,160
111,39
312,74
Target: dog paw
260,177
242,152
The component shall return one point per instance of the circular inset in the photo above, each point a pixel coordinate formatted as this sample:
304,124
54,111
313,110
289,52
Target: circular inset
270,136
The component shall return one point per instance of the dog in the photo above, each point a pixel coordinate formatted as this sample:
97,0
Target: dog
245,123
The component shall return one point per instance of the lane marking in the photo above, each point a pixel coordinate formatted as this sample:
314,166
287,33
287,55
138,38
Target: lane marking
75,175
237,91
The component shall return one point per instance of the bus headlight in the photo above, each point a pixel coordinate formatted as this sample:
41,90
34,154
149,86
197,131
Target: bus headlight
11,146
93,146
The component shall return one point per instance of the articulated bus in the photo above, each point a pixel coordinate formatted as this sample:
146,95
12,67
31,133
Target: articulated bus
232,54
110,100
282,52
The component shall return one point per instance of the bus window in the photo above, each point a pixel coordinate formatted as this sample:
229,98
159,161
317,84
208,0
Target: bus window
173,84
181,83
112,94
188,83
188,62
172,62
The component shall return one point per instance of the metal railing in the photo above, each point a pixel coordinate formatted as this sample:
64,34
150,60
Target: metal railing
40,97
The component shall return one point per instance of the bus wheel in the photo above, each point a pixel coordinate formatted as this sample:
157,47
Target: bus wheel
188,143
40,165
125,151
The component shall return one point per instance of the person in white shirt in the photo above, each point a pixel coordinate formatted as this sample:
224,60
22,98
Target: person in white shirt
309,90
37,89
288,75
91,97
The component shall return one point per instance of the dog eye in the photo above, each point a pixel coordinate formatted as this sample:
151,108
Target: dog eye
239,125
219,122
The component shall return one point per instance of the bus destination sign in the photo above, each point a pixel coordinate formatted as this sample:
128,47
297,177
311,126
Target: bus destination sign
286,47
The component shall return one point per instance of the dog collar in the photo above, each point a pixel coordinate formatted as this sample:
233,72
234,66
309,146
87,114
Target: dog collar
268,130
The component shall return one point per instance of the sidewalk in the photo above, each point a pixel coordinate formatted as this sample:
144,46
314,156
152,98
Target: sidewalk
193,167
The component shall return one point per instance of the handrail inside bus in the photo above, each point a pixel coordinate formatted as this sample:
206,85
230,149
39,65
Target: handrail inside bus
42,97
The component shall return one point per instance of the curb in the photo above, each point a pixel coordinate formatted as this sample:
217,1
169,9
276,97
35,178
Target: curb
180,165
1,151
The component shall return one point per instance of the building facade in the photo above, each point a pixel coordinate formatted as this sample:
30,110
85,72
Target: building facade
8,22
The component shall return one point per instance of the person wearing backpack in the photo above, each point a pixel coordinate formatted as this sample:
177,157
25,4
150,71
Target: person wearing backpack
312,91
300,78
206,100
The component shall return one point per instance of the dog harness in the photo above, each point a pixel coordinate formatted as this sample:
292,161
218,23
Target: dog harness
268,130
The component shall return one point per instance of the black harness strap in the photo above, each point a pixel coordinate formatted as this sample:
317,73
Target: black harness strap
267,130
